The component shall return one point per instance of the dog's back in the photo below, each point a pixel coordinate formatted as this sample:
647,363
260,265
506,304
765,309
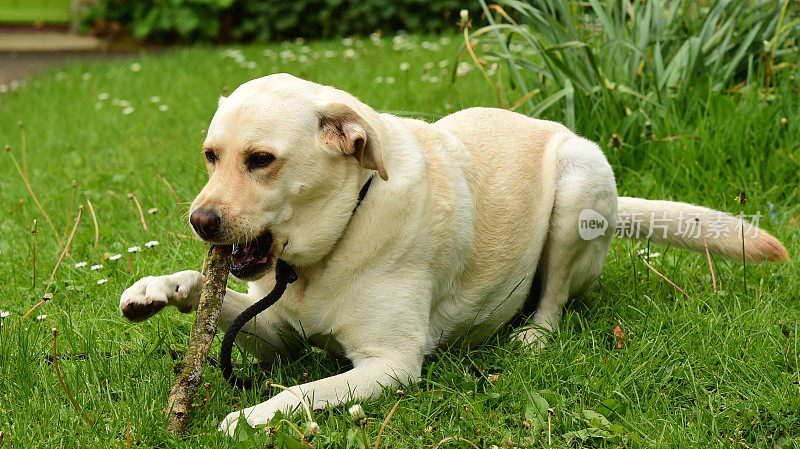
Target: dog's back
511,171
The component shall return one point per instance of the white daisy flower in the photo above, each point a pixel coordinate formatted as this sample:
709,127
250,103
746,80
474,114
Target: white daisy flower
443,63
135,67
81,264
102,96
463,68
378,79
347,41
134,249
311,430
404,66
357,412
97,267
152,210
86,76
4,313
115,257
328,54
151,243
127,111
41,317
433,46
155,99
647,255
376,39
390,80
349,53
102,281
123,103
163,107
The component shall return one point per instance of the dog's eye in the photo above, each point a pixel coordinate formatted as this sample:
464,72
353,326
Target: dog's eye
211,157
259,160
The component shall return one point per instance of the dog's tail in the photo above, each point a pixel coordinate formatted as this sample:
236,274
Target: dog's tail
694,228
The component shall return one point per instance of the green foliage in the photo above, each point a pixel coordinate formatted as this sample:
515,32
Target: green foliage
262,21
253,20
618,58
162,20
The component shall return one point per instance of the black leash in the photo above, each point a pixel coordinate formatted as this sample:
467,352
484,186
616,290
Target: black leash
284,275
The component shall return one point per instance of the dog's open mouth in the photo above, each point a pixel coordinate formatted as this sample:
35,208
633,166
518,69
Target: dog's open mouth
251,259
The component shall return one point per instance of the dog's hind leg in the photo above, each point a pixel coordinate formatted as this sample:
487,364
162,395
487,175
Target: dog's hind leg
572,259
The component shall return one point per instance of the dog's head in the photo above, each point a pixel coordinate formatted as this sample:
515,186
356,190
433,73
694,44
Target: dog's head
286,159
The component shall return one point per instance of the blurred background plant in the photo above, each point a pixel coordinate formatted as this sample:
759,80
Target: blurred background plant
261,21
629,61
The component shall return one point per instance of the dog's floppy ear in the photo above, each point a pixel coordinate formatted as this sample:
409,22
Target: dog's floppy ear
343,129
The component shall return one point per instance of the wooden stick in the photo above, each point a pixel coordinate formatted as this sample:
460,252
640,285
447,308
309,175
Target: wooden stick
190,370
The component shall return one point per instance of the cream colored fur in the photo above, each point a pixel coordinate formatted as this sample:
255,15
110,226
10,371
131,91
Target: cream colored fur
445,245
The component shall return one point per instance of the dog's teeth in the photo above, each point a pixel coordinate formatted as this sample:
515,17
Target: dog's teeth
238,251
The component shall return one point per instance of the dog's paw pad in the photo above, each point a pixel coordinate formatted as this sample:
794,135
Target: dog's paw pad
137,310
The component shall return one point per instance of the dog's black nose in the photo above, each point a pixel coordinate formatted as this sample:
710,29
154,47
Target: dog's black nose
207,223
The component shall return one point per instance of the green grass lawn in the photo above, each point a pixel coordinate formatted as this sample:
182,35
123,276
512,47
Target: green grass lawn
719,369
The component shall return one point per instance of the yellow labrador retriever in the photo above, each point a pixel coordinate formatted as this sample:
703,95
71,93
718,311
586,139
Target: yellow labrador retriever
456,219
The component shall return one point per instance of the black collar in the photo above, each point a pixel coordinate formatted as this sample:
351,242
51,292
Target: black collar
362,193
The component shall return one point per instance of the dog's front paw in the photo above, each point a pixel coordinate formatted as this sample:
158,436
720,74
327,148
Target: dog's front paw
228,425
150,294
253,415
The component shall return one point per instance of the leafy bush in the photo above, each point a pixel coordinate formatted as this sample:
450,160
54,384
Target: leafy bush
253,20
262,21
160,20
631,60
